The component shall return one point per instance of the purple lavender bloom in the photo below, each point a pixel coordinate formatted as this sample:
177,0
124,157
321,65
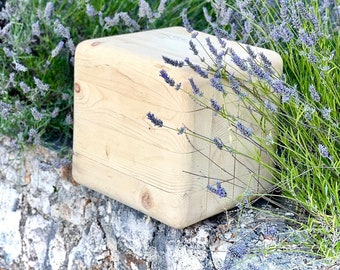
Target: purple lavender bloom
312,58
195,89
161,7
219,60
306,39
278,86
70,45
178,86
211,47
33,136
272,231
48,10
281,32
215,105
194,34
8,52
61,30
36,29
43,87
186,22
196,68
219,190
69,119
19,67
302,9
207,16
270,106
235,85
65,96
154,120
314,20
295,20
145,10
109,22
257,71
241,63
172,62
323,151
57,49
5,31
326,113
24,87
248,27
166,77
220,38
218,142
314,93
193,47
250,51
189,63
181,130
221,32
36,114
248,132
5,109
55,112
284,10
275,33
217,84
201,72
266,62
90,11
288,92
134,26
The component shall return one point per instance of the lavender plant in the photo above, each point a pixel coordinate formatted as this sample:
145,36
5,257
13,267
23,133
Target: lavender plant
302,104
37,46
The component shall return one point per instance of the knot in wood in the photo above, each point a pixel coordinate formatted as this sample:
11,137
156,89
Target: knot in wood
77,87
146,200
96,43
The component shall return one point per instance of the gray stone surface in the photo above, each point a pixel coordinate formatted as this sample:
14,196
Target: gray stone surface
49,222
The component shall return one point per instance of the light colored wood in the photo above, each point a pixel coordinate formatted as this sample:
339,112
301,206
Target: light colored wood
118,152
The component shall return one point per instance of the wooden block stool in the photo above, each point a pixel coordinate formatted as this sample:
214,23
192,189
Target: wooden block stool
120,153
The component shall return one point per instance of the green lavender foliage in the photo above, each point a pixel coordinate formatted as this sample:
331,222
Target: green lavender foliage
37,43
37,46
304,108
306,35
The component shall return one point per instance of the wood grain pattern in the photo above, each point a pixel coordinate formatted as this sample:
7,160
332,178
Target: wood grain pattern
118,152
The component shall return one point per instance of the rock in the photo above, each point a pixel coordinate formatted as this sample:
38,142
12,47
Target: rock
49,222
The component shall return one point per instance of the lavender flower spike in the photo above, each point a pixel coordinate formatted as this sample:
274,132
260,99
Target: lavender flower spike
323,151
193,47
172,62
166,77
218,142
248,132
238,61
186,22
57,49
217,84
314,93
211,47
215,105
154,120
219,190
195,89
